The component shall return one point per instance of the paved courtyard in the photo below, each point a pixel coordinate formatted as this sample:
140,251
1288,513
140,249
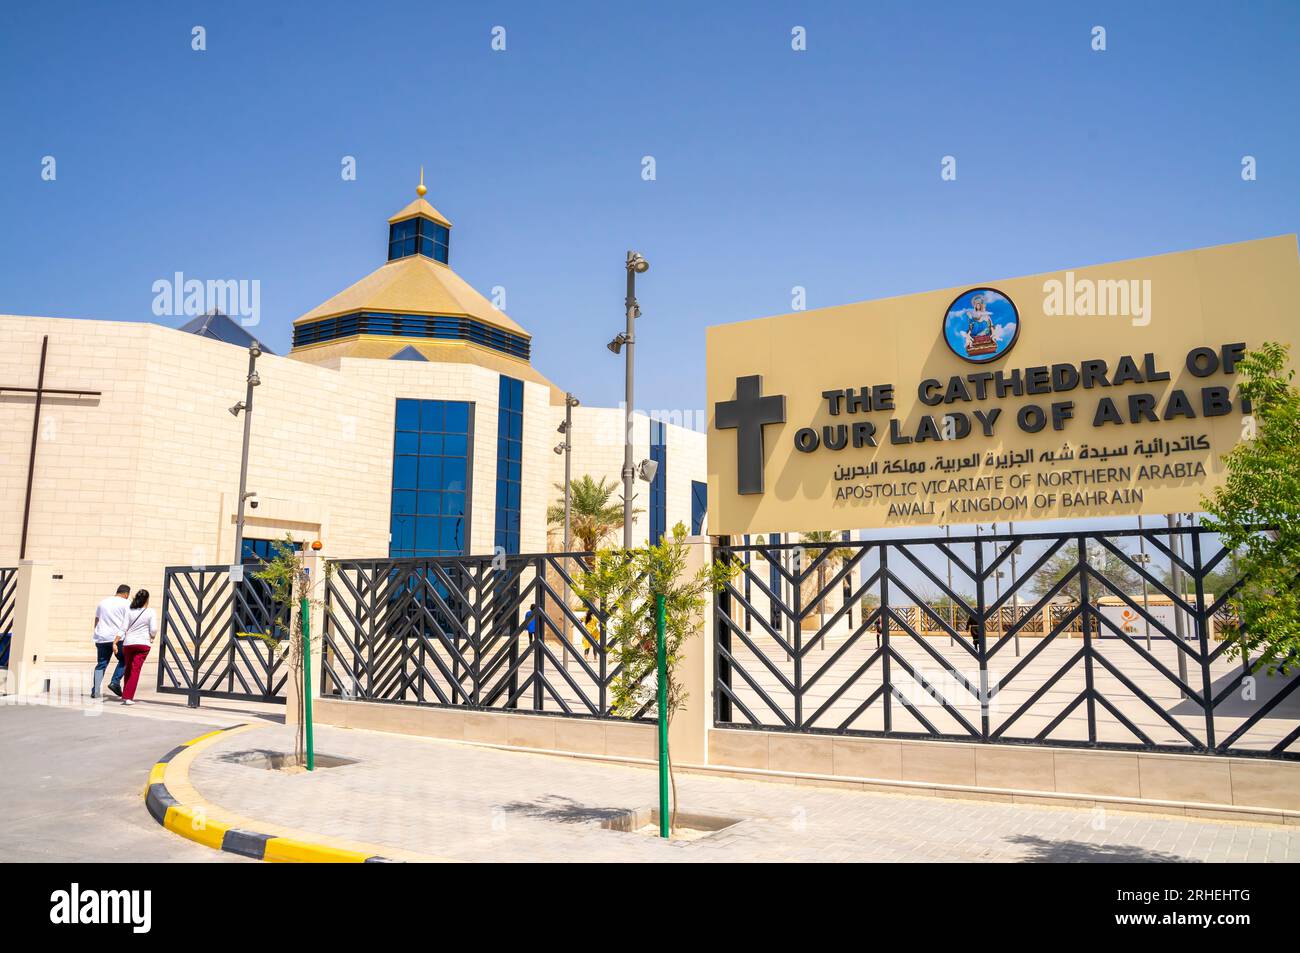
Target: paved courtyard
476,804
71,789
70,784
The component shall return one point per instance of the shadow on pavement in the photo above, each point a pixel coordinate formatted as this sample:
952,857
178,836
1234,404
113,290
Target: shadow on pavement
1046,851
554,807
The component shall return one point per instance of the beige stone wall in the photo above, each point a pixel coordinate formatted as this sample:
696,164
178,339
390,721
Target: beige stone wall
598,452
147,475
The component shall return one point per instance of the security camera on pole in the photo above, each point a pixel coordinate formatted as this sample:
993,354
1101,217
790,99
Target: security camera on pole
566,448
246,405
636,265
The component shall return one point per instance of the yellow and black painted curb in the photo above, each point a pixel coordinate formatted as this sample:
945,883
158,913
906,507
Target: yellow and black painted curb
193,821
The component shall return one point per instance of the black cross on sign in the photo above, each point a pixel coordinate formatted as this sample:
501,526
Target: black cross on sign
747,415
40,391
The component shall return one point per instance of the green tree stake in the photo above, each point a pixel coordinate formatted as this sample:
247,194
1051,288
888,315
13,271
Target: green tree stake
306,681
662,673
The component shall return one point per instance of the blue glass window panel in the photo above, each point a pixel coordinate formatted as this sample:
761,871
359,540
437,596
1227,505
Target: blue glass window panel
659,485
459,328
699,506
430,473
457,417
453,473
403,532
510,422
431,415
405,473
422,458
408,414
450,534
453,504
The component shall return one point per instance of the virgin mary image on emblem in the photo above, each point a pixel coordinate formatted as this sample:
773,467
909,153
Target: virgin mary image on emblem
981,325
979,328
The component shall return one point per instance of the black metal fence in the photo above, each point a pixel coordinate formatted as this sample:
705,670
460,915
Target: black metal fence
1112,639
212,643
8,597
503,632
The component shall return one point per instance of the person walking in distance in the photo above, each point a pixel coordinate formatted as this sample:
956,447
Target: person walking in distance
137,638
110,620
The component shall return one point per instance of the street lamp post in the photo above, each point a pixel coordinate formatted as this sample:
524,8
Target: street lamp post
1176,578
245,405
636,265
1143,559
566,448
952,602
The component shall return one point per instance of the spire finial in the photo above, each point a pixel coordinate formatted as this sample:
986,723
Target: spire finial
420,189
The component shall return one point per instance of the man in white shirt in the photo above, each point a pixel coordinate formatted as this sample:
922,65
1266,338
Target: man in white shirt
110,621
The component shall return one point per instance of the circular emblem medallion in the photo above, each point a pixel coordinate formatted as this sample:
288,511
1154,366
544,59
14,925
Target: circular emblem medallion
981,325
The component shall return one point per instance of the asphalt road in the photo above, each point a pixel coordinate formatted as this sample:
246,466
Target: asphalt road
70,786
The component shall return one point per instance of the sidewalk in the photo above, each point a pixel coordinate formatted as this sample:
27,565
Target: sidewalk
462,802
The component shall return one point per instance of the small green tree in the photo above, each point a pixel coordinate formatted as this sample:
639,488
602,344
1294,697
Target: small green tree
625,583
284,576
948,609
1256,513
1118,574
592,513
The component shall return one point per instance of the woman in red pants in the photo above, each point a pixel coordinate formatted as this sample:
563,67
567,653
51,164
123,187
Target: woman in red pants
137,637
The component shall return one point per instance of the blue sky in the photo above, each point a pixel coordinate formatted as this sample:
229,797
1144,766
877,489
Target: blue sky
774,168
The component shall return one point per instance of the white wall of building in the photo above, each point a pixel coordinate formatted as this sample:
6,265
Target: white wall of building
146,476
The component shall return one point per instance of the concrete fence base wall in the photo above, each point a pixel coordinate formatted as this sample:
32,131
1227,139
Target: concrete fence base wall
589,736
1199,785
1061,774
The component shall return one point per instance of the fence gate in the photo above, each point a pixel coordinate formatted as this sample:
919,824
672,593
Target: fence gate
8,593
476,632
212,641
1109,639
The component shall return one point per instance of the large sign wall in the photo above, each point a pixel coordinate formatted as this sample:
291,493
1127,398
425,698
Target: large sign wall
1105,390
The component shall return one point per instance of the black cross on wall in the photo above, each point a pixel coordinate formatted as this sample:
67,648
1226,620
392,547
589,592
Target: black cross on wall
748,414
39,392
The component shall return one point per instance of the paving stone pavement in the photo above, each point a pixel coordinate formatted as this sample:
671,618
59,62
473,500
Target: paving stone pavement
70,781
469,803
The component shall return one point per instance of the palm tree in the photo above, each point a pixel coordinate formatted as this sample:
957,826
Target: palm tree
592,514
819,540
